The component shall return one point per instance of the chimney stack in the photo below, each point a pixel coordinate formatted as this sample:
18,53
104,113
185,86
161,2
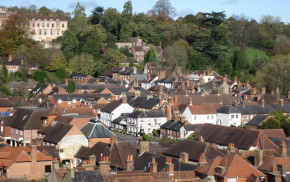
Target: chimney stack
283,148
168,112
124,99
143,147
169,165
202,160
10,57
33,155
184,157
129,163
153,166
231,148
282,168
190,101
201,139
104,165
264,90
258,158
92,160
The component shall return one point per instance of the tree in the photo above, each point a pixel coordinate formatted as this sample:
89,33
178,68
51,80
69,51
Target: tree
4,73
113,57
150,56
14,35
40,76
79,20
96,17
61,73
70,44
271,123
128,9
83,63
71,87
162,10
44,11
57,61
281,45
275,74
175,57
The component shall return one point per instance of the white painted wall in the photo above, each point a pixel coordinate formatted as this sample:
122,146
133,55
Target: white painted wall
229,119
107,118
148,124
199,118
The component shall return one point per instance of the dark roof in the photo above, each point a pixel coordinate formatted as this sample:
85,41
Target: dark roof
241,138
227,110
257,120
57,132
98,149
114,90
146,114
194,149
191,127
143,163
88,176
111,106
274,133
15,61
49,150
6,103
79,97
172,125
96,130
277,141
119,119
135,102
150,103
29,118
39,87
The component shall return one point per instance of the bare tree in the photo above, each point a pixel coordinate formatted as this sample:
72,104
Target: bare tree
162,10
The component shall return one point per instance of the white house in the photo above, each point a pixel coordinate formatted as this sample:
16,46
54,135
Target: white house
150,83
199,114
114,109
228,116
145,121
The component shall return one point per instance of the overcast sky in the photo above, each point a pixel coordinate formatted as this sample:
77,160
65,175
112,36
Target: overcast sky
251,8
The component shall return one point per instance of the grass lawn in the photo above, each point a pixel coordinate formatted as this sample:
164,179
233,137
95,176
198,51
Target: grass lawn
252,53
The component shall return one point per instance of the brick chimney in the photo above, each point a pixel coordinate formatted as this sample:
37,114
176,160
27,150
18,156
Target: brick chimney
282,168
254,91
129,163
168,112
104,165
184,157
202,159
153,166
92,160
33,155
124,99
283,148
190,101
10,57
169,165
258,158
231,148
143,147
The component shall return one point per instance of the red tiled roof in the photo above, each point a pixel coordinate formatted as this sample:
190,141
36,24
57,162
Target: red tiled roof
202,109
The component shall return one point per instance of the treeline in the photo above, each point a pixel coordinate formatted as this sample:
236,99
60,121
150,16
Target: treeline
191,42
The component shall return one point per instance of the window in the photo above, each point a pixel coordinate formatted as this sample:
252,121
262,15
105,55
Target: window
237,116
38,25
195,118
60,150
62,25
47,25
47,168
232,116
207,117
211,116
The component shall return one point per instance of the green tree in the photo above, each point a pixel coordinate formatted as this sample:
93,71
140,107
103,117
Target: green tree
4,73
79,20
5,90
96,17
175,57
61,73
113,57
44,11
150,56
57,61
83,63
71,87
70,44
275,74
128,9
271,123
40,76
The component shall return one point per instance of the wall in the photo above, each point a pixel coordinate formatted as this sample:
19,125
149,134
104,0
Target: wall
93,141
227,120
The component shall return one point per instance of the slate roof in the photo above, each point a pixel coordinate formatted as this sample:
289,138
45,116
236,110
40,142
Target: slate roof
98,149
277,141
194,149
111,106
114,90
135,102
39,87
49,150
57,132
191,127
79,97
172,125
96,130
227,110
119,119
147,114
15,61
6,103
88,176
257,120
150,103
28,118
241,138
142,163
